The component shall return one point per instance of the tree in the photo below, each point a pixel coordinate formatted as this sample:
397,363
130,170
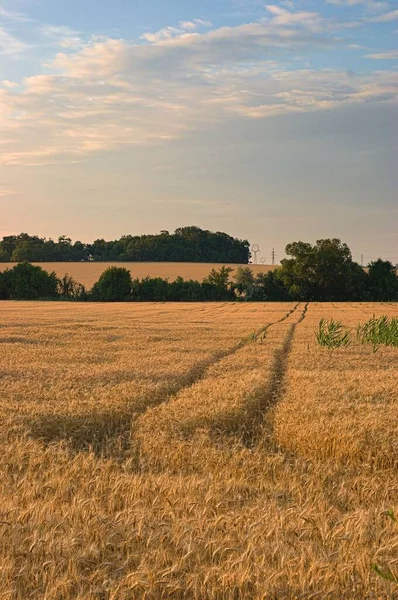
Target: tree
216,286
383,281
219,278
186,244
114,285
71,289
357,284
151,289
322,272
269,287
29,282
181,290
245,282
3,254
4,286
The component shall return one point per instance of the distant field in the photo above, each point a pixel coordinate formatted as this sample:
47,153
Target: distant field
89,273
198,452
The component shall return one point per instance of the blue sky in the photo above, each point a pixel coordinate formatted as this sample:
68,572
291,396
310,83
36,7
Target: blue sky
273,122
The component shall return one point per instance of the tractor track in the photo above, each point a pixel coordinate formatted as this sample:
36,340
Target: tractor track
94,431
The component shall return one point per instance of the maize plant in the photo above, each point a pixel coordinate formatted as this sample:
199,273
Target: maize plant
380,331
332,334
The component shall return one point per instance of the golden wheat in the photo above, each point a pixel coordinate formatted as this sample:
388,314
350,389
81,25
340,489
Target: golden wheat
205,451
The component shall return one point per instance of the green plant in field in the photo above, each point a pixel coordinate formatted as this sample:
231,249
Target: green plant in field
386,573
381,331
332,334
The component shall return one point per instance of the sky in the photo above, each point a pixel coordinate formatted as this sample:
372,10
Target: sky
271,122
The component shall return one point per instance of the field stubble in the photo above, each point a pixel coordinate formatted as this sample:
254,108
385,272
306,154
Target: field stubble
194,451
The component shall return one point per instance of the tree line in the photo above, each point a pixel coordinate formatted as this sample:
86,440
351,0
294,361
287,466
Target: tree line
322,272
186,244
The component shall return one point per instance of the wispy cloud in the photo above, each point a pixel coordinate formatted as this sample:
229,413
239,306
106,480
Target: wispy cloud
62,36
4,192
369,4
391,55
10,45
385,17
284,17
14,16
170,32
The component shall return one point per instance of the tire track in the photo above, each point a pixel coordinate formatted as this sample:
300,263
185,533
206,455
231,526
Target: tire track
239,420
107,433
274,391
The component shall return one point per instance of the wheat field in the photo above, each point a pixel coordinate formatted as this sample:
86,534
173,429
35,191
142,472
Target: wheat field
88,273
195,451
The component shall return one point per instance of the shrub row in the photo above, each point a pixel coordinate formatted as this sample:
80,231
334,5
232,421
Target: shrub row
324,272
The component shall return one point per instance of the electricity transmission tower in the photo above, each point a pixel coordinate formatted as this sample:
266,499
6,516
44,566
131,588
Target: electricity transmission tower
273,255
255,251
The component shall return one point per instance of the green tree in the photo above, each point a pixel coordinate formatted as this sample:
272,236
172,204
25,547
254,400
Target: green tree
219,278
3,254
114,285
270,287
29,282
321,272
151,289
383,281
4,286
71,289
186,244
245,282
217,286
181,290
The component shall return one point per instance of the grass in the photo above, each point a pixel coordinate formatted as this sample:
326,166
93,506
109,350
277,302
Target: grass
164,451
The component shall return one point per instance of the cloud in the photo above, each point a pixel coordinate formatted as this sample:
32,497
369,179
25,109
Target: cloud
14,16
113,94
4,192
385,17
391,55
10,45
62,36
369,4
193,25
282,16
169,32
9,84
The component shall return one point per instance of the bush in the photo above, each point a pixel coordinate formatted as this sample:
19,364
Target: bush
114,285
70,289
151,289
181,290
4,291
28,282
270,288
217,286
156,289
